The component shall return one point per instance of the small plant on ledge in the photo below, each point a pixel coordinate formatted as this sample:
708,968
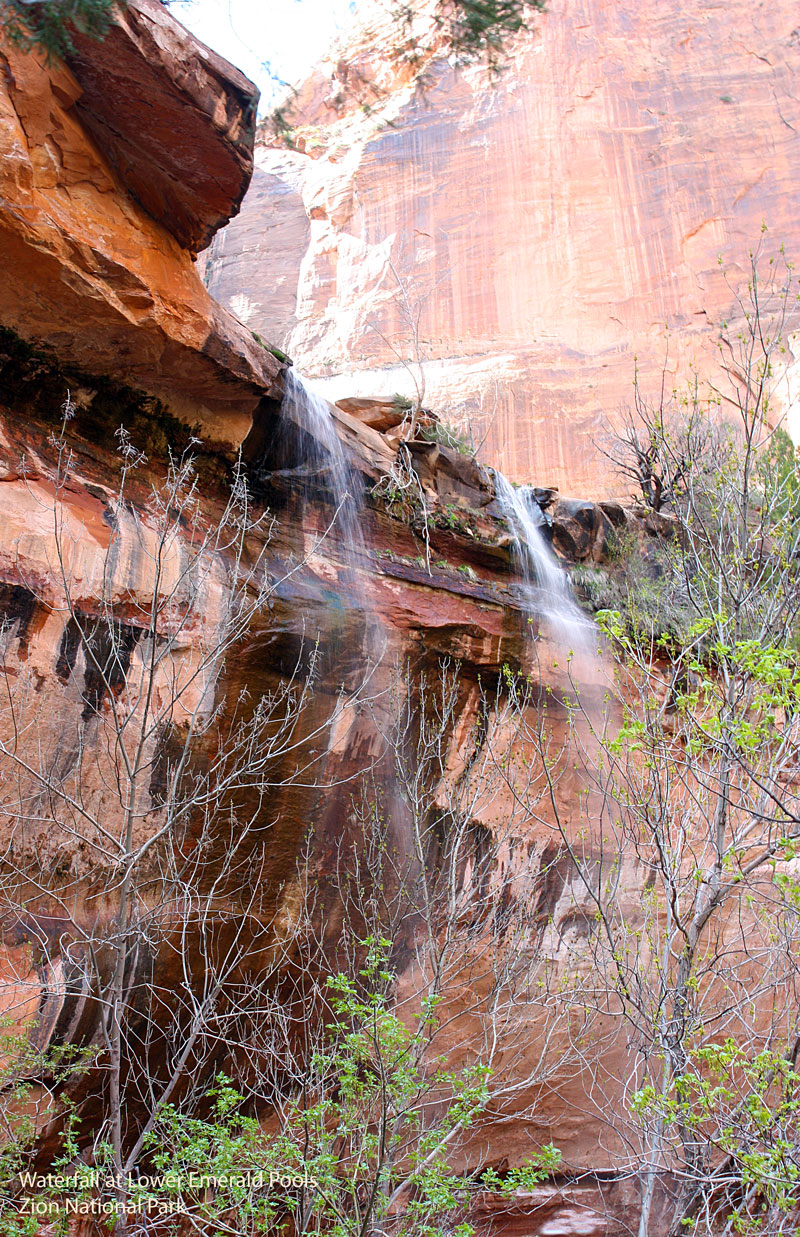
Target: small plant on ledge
448,436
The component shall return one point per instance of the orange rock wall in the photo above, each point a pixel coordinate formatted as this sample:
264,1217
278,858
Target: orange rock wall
554,226
87,271
547,224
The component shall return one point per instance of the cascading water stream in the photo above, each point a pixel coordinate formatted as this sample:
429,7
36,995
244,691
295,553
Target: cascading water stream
311,414
547,591
323,459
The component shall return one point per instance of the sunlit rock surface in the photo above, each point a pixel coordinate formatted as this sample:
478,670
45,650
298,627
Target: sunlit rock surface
174,119
557,225
87,267
101,274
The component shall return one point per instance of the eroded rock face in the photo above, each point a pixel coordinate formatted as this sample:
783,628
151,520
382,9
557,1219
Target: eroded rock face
463,607
90,273
174,119
68,551
553,224
87,268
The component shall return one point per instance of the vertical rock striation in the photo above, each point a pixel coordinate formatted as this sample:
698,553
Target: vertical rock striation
556,224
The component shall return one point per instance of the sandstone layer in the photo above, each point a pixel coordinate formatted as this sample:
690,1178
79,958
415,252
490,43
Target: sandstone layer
69,553
174,119
554,228
102,210
101,206
428,580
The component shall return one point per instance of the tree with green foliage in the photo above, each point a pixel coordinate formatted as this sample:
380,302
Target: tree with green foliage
481,29
376,1085
355,1149
691,795
741,1103
152,794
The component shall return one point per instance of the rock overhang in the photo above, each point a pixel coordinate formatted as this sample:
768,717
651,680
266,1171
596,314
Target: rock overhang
116,168
174,119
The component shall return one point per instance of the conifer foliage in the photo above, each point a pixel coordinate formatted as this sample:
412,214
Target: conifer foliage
50,24
481,28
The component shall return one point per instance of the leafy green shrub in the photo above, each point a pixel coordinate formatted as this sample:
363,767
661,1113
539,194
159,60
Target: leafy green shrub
743,1103
276,352
26,1103
371,1132
644,590
357,1142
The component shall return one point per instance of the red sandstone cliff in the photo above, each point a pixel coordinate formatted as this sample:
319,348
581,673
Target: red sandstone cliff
100,216
115,168
100,271
556,225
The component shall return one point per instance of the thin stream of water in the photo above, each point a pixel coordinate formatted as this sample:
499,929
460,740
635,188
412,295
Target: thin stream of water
545,583
546,590
312,414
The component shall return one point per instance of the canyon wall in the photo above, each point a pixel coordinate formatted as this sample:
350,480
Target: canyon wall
102,312
554,228
70,556
102,214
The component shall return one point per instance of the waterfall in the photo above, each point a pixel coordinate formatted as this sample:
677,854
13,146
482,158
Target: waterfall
323,454
546,586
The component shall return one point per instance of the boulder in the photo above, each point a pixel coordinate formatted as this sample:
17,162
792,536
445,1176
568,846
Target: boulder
584,530
574,528
379,412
